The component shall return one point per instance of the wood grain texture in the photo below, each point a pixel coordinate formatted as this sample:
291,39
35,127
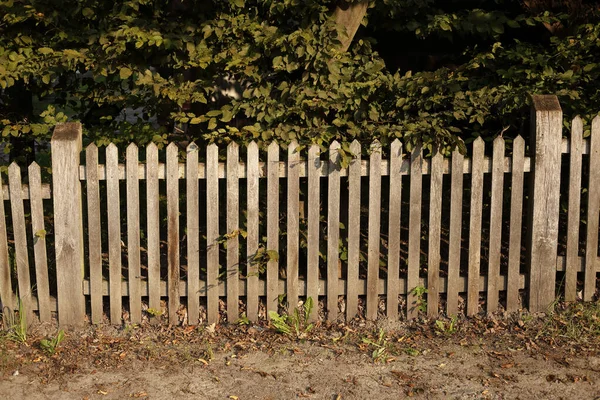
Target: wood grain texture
114,233
495,225
68,226
94,232
253,233
546,138
133,235
374,234
574,209
393,279
153,227
414,231
353,230
333,231
476,213
38,230
233,226
7,295
272,225
314,208
212,233
193,234
173,232
593,209
435,228
456,199
516,220
293,224
20,237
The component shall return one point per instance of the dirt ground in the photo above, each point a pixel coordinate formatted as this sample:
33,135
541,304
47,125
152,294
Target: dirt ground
506,357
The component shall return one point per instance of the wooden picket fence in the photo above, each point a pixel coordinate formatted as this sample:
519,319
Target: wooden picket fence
417,203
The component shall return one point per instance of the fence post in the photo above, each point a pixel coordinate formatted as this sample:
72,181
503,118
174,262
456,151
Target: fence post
545,148
68,222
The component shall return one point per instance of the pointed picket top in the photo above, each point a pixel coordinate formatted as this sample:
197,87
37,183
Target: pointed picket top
232,146
33,166
396,146
132,146
518,141
111,147
191,147
335,145
314,150
91,147
14,168
172,148
376,144
273,147
132,152
499,141
355,148
252,146
577,125
212,148
479,141
151,147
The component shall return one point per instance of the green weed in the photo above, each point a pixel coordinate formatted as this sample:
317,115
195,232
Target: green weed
17,325
381,347
419,292
49,346
294,323
447,328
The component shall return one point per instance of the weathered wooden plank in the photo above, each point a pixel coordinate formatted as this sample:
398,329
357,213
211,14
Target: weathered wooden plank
68,234
6,293
456,199
516,218
333,231
293,225
374,235
475,226
253,234
193,234
272,225
94,232
114,233
574,210
233,226
39,242
414,231
495,225
153,227
133,235
393,278
435,229
314,208
353,230
546,137
212,233
591,243
20,236
173,232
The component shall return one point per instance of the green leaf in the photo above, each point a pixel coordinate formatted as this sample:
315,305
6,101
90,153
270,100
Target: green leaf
45,50
87,12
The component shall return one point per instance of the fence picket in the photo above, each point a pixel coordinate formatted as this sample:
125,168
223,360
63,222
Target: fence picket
574,210
193,234
6,293
212,233
393,274
591,243
314,208
333,231
114,233
94,232
516,218
435,228
133,235
495,245
353,230
475,226
456,199
233,244
253,234
272,225
39,242
173,231
20,236
414,232
153,226
293,225
374,235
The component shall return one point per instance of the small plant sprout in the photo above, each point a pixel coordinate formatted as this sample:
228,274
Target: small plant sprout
446,328
49,346
419,292
17,325
381,347
294,322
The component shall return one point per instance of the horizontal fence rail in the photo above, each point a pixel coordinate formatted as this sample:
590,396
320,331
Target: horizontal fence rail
207,234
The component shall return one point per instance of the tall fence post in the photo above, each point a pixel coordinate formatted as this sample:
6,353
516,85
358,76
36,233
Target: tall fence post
546,137
68,222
